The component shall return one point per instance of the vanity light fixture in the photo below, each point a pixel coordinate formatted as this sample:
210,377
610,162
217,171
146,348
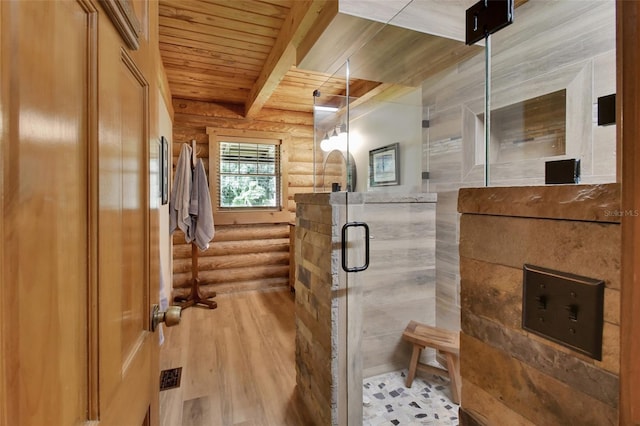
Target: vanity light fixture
325,108
335,139
325,143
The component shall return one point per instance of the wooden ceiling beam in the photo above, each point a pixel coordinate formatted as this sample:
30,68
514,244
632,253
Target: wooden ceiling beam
303,16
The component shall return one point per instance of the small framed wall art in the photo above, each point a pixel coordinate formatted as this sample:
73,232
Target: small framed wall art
384,165
164,169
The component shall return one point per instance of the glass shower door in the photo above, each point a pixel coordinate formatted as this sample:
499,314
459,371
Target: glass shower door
337,174
371,148
391,130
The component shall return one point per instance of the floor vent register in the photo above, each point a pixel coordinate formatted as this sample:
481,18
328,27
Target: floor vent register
170,379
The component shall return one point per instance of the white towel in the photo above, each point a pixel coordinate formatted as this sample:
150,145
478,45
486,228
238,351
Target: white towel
200,209
181,194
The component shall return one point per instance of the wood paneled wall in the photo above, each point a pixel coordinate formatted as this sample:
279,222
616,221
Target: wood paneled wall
242,257
511,376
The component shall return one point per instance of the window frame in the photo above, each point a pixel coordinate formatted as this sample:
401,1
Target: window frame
247,215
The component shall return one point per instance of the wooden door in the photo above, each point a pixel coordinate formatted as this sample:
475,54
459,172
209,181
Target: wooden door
628,123
126,349
76,214
45,241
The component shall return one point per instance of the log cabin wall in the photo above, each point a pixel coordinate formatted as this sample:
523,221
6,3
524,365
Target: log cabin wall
242,257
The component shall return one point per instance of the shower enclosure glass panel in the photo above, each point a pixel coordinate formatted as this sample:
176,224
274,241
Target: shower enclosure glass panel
413,82
548,70
330,136
377,99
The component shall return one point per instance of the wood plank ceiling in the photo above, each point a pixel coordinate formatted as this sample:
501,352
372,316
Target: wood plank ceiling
238,52
243,52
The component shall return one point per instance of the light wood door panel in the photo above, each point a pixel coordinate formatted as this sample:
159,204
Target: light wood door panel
46,109
75,282
125,346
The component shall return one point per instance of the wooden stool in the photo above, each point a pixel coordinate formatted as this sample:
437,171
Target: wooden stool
445,341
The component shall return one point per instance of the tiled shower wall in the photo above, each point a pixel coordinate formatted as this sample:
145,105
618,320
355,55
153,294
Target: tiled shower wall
551,46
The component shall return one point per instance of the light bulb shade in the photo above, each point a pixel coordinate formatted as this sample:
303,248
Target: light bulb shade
335,139
325,145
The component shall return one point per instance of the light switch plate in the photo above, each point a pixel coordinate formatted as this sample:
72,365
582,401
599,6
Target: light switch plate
565,308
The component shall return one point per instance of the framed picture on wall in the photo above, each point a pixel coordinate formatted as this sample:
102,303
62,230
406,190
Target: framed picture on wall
164,169
384,165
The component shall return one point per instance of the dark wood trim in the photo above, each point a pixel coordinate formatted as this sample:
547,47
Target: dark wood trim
467,419
628,119
124,19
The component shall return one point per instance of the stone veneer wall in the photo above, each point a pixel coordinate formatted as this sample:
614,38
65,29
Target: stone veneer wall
510,376
398,286
316,289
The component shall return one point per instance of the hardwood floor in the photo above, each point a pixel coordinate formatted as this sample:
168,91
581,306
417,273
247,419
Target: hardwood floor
238,364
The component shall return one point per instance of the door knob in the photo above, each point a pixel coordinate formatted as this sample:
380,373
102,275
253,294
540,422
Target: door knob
170,317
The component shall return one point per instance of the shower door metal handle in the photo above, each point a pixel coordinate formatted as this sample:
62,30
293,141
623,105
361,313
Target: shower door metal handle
346,226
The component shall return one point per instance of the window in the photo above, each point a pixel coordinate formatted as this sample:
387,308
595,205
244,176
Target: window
247,174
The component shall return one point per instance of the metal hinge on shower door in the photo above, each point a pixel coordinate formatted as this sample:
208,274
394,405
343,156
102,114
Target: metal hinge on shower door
486,17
